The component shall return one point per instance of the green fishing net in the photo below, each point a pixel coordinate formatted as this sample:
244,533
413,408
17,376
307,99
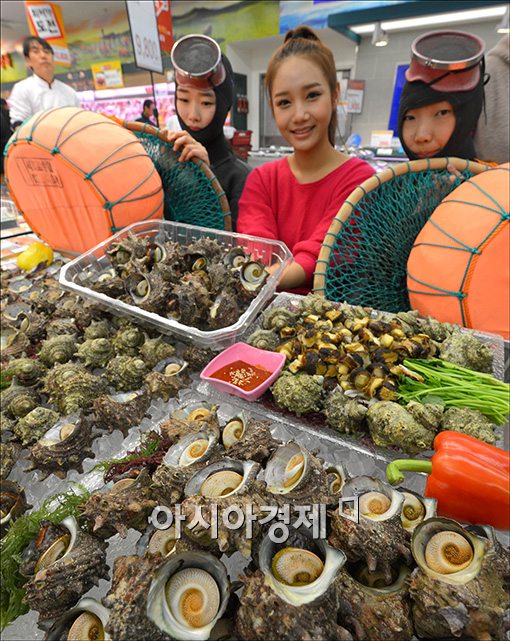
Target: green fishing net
368,258
192,193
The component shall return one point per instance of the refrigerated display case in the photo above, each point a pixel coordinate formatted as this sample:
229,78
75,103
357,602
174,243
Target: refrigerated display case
126,103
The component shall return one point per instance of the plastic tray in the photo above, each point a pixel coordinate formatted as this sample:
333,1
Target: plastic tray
494,341
76,274
355,461
292,301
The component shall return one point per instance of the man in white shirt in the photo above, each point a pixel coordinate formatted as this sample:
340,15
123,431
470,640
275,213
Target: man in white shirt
40,90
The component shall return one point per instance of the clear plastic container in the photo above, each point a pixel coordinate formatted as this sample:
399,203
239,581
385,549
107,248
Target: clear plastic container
495,342
76,274
292,302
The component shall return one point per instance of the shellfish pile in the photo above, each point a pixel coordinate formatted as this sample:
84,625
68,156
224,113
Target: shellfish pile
201,284
75,374
345,363
393,571
72,373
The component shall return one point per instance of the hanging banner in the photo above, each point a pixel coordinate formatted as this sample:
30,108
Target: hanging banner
45,20
164,18
144,34
107,75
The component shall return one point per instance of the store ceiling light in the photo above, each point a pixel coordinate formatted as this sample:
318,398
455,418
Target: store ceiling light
453,17
379,37
503,26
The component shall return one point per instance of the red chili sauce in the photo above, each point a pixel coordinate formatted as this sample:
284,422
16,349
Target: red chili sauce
242,374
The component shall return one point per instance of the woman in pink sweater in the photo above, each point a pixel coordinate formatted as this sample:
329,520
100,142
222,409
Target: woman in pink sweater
295,199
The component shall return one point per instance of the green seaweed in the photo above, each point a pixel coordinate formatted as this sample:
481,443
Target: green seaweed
5,381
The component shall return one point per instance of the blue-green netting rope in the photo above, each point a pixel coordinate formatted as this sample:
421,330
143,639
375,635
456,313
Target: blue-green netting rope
189,196
501,217
368,258
59,148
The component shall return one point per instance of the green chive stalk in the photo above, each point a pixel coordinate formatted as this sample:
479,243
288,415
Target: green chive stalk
456,386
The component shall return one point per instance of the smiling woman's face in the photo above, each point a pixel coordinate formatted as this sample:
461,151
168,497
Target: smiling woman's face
302,103
427,130
195,106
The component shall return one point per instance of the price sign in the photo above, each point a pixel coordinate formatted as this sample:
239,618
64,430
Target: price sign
44,21
144,34
355,91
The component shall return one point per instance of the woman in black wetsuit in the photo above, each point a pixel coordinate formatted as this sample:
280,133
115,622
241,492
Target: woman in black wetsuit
204,93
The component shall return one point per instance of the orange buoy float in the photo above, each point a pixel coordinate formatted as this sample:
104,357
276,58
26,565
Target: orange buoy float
78,177
458,270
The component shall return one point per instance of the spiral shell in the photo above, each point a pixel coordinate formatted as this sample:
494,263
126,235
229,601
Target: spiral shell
126,504
295,566
301,570
128,341
73,389
224,311
375,535
336,479
188,595
120,411
162,542
87,620
192,449
235,257
171,366
222,479
33,326
252,275
196,411
96,352
58,349
13,503
155,350
264,339
233,430
416,509
27,371
66,569
15,311
126,373
63,447
98,329
446,551
60,326
377,500
277,318
32,426
287,469
18,400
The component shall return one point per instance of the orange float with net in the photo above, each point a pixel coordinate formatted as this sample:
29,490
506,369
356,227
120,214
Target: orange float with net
78,177
459,267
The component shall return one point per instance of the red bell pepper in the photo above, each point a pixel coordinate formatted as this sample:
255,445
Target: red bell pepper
469,478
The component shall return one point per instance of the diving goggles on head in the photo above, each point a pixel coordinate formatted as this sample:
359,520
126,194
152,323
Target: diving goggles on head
197,62
447,60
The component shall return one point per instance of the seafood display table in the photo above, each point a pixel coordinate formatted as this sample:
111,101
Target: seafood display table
344,456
